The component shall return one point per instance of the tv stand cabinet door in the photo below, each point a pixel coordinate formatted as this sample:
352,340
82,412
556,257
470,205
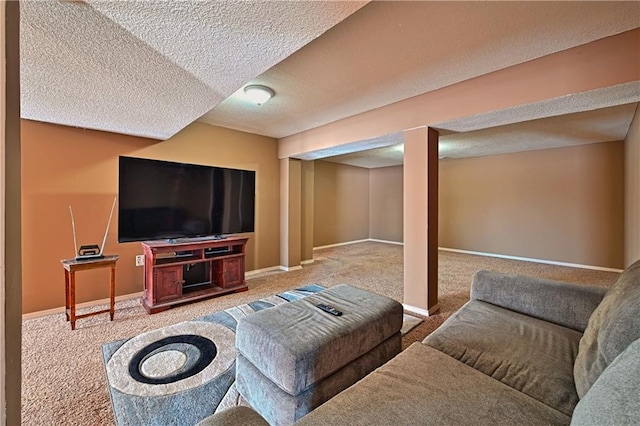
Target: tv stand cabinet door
233,272
168,283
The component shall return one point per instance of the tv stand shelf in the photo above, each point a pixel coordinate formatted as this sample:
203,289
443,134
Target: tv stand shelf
181,271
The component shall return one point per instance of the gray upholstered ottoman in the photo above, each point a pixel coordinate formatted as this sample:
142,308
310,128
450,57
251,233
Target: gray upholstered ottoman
294,357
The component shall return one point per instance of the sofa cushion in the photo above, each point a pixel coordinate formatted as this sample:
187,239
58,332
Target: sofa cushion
612,327
614,399
530,355
566,304
422,386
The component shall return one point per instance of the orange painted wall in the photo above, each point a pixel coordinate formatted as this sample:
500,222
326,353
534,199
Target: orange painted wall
64,166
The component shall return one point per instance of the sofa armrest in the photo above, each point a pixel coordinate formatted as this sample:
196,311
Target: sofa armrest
569,305
239,415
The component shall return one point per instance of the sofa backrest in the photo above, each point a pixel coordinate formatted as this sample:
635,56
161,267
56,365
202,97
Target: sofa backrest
614,399
612,327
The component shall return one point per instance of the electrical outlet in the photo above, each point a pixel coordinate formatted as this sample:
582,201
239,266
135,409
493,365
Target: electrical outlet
140,260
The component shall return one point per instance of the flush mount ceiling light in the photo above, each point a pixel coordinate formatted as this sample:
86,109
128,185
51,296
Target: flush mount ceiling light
258,94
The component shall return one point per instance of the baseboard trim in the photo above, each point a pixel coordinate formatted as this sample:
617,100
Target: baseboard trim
420,311
61,309
251,274
375,240
341,244
528,259
290,268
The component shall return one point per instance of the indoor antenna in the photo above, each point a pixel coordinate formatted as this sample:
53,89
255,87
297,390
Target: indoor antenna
92,251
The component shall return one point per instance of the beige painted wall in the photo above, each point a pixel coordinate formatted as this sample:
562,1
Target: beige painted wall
632,192
341,203
517,204
65,166
385,203
563,204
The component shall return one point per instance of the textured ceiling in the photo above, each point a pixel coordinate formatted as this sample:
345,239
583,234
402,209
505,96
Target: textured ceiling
150,68
595,99
528,129
601,125
389,51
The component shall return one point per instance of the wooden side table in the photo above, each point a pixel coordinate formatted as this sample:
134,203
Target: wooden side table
71,266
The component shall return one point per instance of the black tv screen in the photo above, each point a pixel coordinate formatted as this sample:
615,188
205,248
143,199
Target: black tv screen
167,200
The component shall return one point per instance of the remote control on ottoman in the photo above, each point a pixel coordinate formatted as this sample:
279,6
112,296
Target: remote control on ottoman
329,309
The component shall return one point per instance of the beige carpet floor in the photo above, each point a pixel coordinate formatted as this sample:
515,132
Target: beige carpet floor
63,378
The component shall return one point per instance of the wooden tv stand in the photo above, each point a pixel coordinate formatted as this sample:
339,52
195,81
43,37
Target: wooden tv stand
169,267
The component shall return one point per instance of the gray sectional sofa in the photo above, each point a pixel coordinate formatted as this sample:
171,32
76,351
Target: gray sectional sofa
522,351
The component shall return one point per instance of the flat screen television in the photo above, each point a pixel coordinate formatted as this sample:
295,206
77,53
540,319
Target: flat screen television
167,200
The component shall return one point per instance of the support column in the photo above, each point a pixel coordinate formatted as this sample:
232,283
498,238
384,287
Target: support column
632,192
290,213
306,235
420,228
10,223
